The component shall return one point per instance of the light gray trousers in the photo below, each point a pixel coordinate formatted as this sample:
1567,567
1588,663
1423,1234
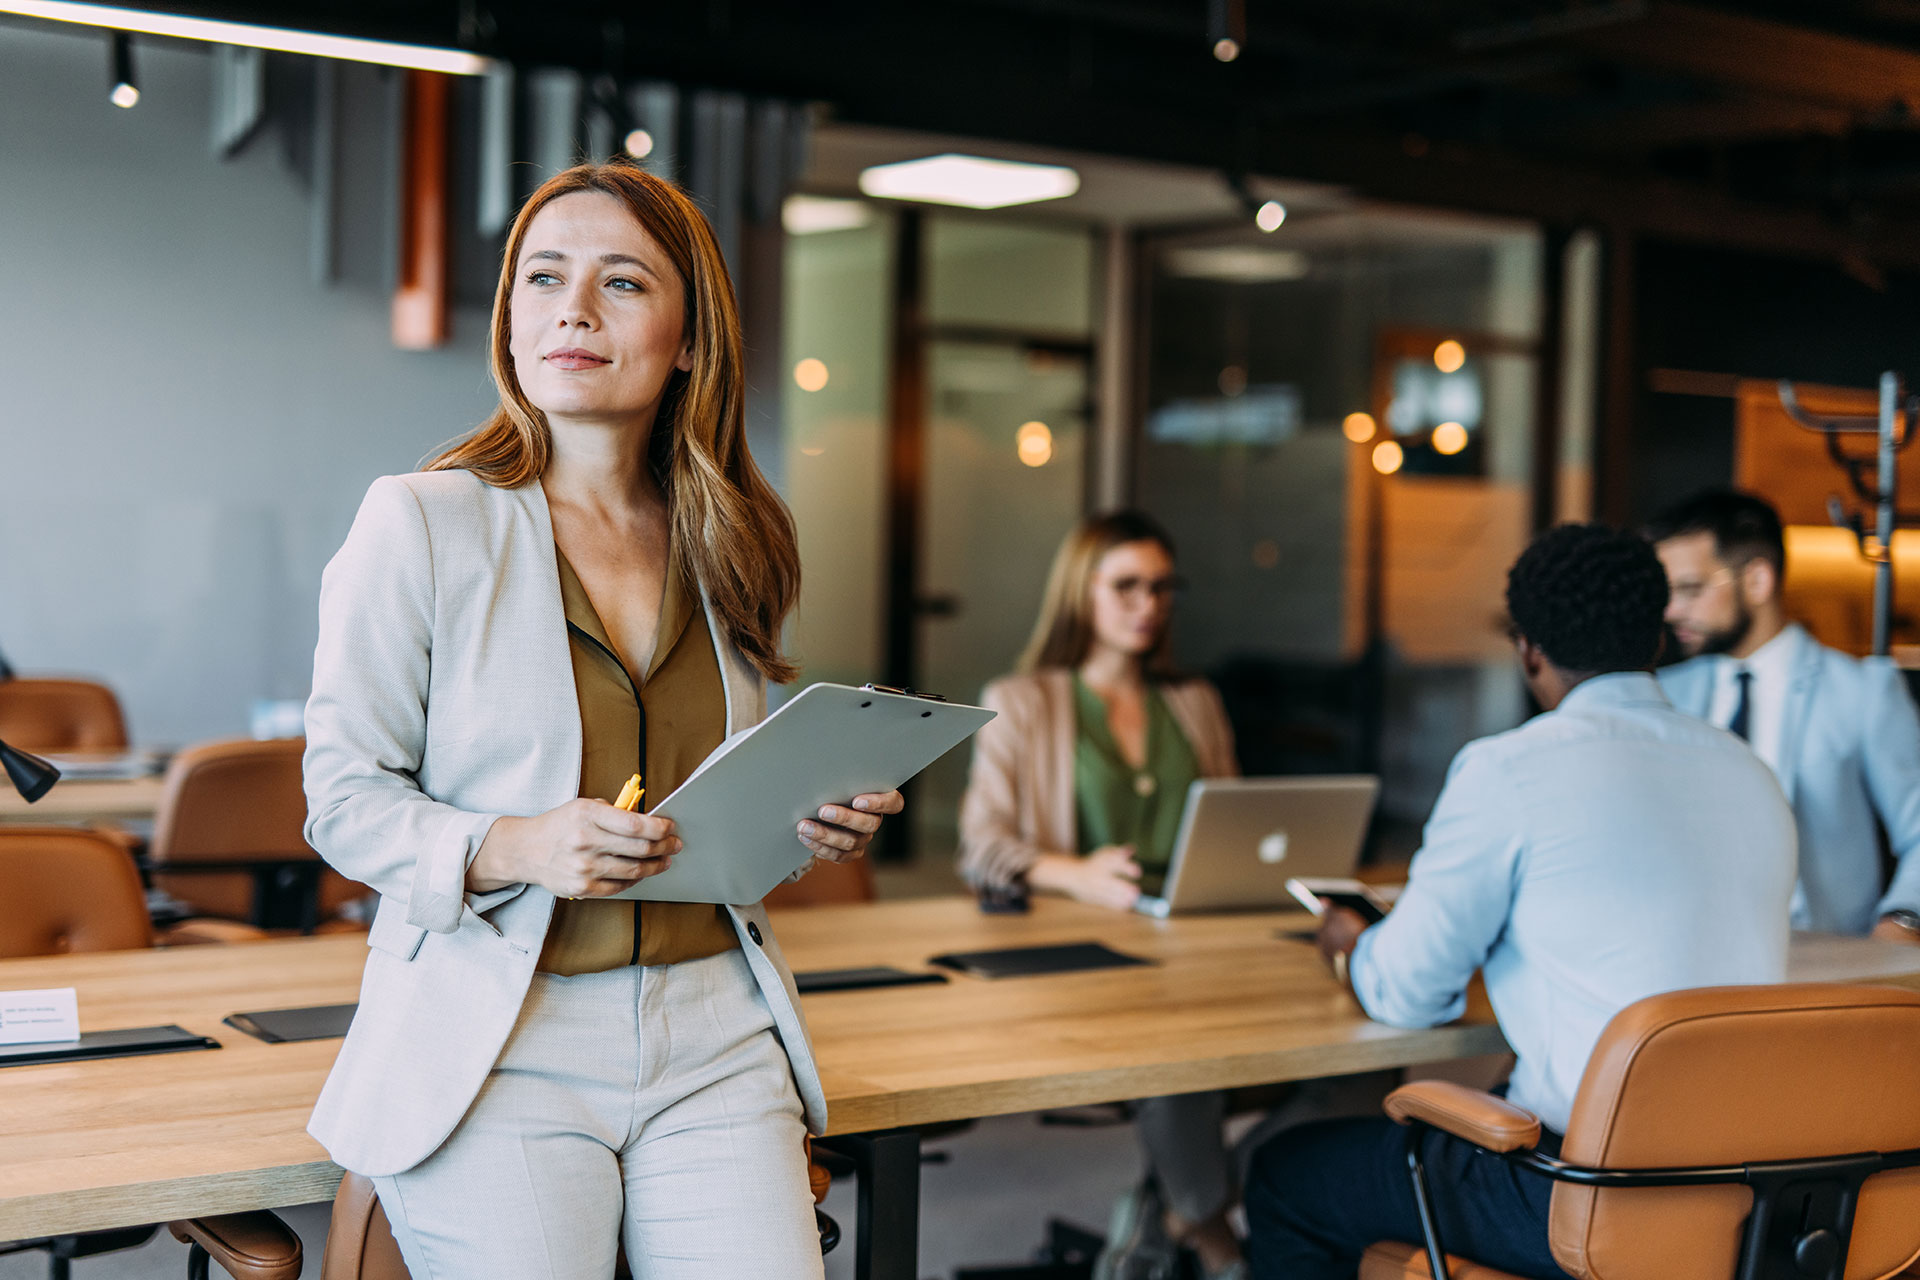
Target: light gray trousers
651,1106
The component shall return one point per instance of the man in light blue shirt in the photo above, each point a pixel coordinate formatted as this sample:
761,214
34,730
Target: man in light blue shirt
1840,733
1607,850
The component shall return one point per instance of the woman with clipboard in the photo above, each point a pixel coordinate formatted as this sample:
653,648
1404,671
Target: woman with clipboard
1077,789
590,586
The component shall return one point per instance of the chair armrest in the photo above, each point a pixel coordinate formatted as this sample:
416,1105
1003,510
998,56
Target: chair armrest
251,1246
1480,1118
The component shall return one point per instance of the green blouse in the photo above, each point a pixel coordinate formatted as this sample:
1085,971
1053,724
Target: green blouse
1116,803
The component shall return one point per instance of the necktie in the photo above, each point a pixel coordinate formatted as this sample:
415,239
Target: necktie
1743,707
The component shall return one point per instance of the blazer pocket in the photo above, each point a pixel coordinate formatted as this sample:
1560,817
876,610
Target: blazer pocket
392,934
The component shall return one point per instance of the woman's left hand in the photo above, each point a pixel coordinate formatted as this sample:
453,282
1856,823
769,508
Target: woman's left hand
843,832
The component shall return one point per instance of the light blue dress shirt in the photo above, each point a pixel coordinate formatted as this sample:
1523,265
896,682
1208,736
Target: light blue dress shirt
1605,851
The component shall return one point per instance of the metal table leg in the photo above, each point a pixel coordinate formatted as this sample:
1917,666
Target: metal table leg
886,1239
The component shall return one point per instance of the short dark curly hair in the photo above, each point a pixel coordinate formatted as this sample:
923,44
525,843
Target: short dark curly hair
1593,599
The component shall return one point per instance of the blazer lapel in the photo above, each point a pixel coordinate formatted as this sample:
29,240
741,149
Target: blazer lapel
1061,733
1793,716
746,691
1691,687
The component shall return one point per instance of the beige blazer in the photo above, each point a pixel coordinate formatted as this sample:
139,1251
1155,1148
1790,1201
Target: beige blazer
1020,795
442,699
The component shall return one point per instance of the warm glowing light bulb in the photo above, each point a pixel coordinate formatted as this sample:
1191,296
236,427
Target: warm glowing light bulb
1226,49
1387,457
1449,438
1449,356
810,374
639,144
124,95
1270,216
1034,443
1359,427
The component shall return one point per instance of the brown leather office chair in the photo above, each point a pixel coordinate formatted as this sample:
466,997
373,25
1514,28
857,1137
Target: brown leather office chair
68,889
228,841
61,715
827,884
1728,1132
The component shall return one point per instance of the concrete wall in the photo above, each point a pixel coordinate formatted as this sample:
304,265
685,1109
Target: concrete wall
188,421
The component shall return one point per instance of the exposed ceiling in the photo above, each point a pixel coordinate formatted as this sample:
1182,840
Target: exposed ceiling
1779,123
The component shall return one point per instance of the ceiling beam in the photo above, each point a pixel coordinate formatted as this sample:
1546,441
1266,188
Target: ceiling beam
1715,123
1765,57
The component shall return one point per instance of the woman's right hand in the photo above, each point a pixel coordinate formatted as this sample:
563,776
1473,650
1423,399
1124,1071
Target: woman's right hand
1107,877
584,849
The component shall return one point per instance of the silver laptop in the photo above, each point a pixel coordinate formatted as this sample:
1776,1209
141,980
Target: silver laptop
1242,838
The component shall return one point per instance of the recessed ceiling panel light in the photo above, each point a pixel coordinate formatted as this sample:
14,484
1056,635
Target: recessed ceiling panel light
279,39
973,182
1240,264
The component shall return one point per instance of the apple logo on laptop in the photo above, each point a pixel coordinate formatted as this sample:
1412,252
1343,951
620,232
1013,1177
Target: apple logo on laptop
1273,848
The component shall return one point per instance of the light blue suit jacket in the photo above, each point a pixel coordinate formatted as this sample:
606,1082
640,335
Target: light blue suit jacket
1849,751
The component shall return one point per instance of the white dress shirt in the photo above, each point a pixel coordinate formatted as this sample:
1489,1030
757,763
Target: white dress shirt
1772,668
1605,851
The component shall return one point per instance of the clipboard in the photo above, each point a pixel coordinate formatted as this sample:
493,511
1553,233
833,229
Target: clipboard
736,814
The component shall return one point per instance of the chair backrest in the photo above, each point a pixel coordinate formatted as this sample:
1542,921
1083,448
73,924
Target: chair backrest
828,884
61,715
233,801
68,889
360,1244
1735,1075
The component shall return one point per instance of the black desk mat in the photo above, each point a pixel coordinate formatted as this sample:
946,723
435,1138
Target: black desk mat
123,1042
1020,962
284,1026
816,980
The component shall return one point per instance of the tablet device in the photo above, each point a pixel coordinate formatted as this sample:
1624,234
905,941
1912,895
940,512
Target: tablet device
736,815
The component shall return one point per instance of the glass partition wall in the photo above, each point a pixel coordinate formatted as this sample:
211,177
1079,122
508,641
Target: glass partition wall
936,420
1339,422
1340,431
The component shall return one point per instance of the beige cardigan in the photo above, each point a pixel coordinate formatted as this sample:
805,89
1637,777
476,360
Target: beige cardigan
1020,794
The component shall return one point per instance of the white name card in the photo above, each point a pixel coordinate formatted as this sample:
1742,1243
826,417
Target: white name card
39,1017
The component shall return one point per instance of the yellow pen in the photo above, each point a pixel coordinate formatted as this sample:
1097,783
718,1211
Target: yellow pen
631,795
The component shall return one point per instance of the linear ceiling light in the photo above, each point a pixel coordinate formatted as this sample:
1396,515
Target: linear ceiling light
971,181
280,39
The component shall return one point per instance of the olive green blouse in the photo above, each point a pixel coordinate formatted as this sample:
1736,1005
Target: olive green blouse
1116,803
674,720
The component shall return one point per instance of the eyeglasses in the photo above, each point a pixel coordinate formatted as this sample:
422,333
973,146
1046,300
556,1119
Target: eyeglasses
1157,588
1687,589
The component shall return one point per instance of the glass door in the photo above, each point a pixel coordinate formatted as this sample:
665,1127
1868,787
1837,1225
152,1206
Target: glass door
1005,480
1005,333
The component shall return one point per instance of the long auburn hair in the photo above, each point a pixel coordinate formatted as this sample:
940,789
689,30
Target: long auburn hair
1064,632
732,534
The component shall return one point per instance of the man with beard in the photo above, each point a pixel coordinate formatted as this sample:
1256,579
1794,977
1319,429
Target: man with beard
1840,733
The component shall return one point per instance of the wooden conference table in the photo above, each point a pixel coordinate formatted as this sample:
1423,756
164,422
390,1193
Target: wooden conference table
86,800
126,1141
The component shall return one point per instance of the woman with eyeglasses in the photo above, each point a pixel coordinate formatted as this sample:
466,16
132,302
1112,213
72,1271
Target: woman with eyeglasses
1077,789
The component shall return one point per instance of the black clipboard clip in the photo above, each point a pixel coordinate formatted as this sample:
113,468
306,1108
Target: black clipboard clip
904,693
